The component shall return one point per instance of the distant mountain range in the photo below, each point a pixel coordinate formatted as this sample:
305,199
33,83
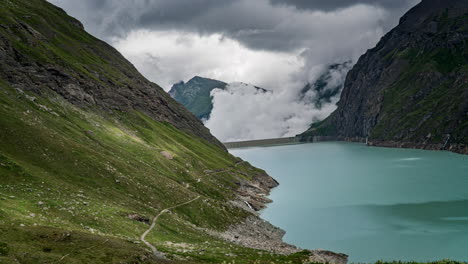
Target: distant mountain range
195,94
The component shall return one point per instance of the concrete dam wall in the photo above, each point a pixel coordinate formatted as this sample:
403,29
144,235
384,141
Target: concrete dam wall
287,140
261,142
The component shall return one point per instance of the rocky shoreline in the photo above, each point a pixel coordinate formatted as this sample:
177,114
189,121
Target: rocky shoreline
457,148
258,233
452,147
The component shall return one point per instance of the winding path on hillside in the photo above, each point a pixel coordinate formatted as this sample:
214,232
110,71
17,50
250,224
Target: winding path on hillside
153,224
227,169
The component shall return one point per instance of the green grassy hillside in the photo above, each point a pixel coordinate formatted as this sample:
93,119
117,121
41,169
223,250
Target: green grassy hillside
87,145
70,178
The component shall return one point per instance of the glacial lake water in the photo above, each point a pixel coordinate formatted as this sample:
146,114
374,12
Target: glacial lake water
370,203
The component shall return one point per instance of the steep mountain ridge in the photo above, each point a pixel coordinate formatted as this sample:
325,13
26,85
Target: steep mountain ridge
48,54
411,90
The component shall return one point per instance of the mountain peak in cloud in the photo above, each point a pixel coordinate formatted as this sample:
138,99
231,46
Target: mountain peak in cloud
196,95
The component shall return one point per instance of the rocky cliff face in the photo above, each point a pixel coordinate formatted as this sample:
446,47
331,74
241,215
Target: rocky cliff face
411,90
53,53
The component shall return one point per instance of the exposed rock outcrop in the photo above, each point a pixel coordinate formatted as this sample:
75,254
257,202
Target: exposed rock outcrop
260,234
257,233
253,193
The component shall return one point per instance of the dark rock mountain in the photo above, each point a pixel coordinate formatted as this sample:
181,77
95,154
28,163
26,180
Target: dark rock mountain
195,94
411,90
328,86
84,70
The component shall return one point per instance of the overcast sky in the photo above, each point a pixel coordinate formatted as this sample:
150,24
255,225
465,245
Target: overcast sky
276,44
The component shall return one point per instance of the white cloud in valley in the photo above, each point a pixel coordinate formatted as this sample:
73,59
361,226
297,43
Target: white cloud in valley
243,112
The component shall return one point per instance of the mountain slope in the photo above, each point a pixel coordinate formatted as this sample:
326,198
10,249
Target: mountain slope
90,151
57,50
411,90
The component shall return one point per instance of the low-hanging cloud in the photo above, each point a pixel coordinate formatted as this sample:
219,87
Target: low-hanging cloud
242,112
330,5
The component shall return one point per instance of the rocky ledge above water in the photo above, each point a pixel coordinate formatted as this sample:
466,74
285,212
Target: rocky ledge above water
257,233
457,148
260,234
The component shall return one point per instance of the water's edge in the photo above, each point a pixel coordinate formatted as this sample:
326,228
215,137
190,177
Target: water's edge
258,233
446,146
291,150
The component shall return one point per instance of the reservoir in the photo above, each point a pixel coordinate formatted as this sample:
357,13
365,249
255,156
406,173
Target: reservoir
370,203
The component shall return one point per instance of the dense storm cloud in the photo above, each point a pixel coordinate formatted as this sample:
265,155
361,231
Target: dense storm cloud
262,24
331,5
280,45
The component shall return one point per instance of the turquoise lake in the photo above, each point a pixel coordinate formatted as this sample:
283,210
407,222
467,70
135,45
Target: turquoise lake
370,203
